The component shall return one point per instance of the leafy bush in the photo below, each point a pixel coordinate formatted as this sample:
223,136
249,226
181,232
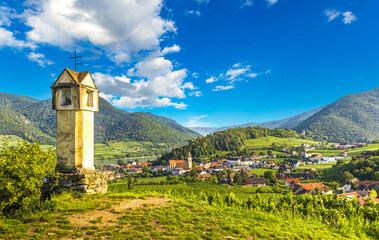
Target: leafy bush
21,171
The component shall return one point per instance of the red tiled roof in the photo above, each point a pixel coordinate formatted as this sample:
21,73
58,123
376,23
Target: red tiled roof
292,180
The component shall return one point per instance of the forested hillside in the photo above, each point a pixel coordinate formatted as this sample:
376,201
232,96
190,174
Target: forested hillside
227,140
352,118
35,120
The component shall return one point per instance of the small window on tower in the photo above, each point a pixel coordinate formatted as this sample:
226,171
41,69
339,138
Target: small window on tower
89,98
66,97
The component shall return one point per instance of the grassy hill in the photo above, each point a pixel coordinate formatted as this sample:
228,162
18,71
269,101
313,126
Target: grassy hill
188,211
352,118
35,120
234,141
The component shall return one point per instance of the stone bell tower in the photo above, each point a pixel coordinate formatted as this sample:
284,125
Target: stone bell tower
76,99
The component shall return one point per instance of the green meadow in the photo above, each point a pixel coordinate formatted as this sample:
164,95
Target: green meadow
183,211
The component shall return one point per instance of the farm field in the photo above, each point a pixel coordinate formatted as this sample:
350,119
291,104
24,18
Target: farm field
320,166
266,142
109,151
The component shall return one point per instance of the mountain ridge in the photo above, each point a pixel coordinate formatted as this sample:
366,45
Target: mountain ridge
110,123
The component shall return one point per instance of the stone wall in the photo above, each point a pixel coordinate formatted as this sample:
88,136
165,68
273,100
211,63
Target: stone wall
88,183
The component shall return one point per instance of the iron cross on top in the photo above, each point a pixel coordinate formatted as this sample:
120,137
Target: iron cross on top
75,60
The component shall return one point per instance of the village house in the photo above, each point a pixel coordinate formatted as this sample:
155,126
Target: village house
293,153
219,168
327,160
295,163
292,181
233,162
259,182
316,157
342,147
368,186
304,188
343,154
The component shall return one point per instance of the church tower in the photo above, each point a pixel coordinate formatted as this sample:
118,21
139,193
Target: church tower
75,98
189,160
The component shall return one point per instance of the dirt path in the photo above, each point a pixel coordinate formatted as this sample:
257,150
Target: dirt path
109,217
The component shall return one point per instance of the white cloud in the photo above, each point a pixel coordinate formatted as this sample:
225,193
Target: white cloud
131,103
211,80
152,82
119,27
195,75
247,3
174,48
268,71
40,59
6,14
197,122
239,72
271,2
9,40
331,14
193,12
223,88
195,93
349,17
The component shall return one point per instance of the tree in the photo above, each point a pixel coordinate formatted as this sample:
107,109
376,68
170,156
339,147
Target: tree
130,182
121,162
21,171
270,177
346,177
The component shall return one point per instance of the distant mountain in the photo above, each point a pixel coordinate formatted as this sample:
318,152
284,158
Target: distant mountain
352,118
290,122
173,124
35,120
203,130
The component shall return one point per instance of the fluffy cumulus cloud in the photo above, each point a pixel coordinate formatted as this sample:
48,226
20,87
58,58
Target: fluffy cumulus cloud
151,83
120,27
39,58
211,80
126,31
349,17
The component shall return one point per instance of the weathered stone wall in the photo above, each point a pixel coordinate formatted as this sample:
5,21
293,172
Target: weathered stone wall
85,182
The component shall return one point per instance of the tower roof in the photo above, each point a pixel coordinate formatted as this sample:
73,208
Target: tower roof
80,78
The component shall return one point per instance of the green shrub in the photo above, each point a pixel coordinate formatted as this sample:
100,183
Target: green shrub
21,171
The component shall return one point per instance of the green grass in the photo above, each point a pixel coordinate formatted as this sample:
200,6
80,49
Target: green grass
261,171
320,166
185,216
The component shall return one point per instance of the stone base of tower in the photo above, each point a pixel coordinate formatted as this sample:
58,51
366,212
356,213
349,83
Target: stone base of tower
86,182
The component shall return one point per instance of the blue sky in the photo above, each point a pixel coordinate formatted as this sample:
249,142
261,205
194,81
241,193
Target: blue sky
200,62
